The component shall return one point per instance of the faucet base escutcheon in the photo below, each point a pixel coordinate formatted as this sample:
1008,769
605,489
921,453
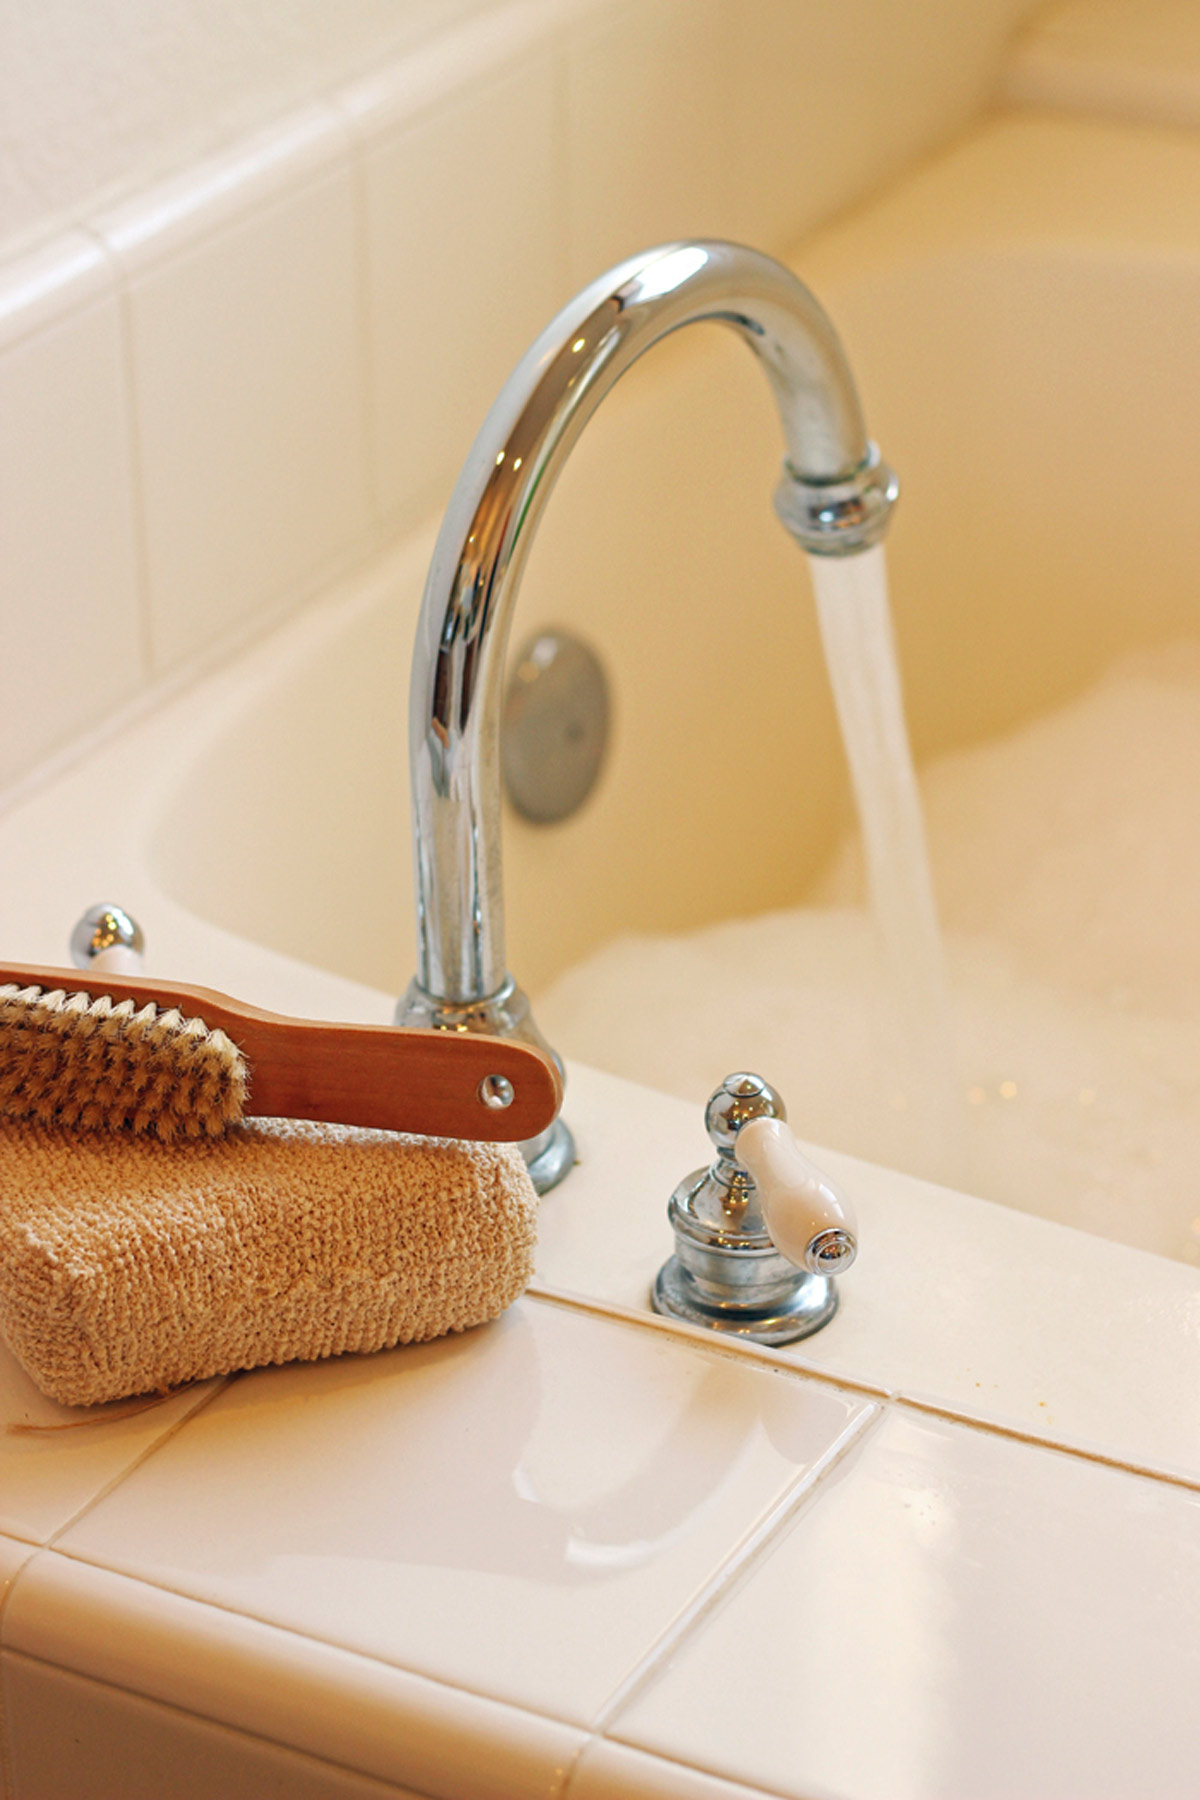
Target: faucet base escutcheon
506,1013
760,1233
787,1308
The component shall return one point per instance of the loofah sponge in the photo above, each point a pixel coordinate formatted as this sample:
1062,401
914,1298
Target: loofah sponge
129,1266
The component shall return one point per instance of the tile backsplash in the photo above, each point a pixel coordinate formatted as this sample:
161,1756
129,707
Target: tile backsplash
222,391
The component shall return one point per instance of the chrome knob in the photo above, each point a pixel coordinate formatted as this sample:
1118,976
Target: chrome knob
760,1234
108,940
739,1099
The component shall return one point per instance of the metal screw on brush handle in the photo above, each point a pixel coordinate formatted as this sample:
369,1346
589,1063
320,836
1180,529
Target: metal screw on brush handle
760,1234
108,940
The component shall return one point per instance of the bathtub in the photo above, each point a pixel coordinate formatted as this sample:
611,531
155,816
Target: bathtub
1004,1405
1025,360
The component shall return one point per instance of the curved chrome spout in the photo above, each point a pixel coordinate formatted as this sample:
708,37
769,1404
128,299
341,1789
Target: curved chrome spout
834,497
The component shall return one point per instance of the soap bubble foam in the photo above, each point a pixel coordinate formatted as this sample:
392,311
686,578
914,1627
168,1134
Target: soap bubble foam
1066,859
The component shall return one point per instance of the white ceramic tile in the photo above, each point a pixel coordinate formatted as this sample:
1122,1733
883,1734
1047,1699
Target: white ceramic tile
649,143
69,604
341,1708
953,1614
248,383
821,115
1013,1320
392,97
1107,57
797,97
464,257
209,195
71,1736
55,1459
521,1511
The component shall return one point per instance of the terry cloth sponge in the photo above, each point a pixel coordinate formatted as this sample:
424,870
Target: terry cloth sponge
129,1266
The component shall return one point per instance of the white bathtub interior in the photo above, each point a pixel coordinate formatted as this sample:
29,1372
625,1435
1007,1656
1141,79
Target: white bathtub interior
1021,320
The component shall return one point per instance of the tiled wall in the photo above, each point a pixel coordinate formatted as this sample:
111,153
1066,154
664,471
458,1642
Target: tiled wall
217,394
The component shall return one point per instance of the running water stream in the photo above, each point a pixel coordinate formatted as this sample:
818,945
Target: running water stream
855,620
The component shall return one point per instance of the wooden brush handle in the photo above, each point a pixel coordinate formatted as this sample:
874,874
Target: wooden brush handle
375,1075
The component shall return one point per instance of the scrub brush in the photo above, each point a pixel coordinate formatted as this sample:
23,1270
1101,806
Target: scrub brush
131,1053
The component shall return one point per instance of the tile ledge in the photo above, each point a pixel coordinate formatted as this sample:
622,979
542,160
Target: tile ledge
42,286
343,1707
216,190
392,98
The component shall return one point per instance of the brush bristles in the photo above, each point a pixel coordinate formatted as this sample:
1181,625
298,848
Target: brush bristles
69,1060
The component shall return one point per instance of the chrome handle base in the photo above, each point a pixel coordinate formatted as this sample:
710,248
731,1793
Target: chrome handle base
743,1289
505,1013
728,1273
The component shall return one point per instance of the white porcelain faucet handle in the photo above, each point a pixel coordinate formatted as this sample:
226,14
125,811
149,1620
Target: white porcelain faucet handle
810,1220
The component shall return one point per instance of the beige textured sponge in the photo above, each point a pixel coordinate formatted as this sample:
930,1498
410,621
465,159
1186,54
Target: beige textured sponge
128,1266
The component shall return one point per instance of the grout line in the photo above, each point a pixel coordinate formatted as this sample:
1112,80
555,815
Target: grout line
1038,1440
366,346
559,44
8,1787
295,1632
782,1363
244,1732
740,1563
136,459
738,1785
715,1342
163,689
562,1787
123,1474
7,1783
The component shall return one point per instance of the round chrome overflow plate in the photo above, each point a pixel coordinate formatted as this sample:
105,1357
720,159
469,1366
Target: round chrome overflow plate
555,728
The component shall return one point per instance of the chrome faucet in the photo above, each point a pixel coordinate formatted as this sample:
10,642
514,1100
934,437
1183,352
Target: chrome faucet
835,496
